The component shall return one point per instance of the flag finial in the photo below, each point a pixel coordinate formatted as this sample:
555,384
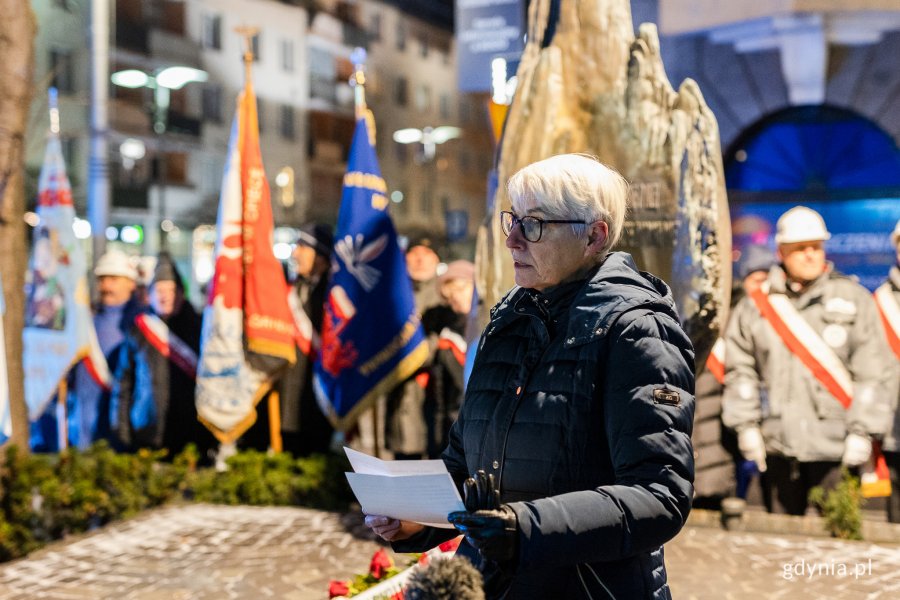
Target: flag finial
358,80
248,32
53,105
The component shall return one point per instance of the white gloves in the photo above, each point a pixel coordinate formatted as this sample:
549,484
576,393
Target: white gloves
752,447
857,450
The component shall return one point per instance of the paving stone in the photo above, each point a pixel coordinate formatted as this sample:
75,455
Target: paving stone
204,552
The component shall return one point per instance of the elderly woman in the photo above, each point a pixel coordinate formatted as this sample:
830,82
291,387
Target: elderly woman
577,417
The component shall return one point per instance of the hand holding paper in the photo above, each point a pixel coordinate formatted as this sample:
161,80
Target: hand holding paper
421,491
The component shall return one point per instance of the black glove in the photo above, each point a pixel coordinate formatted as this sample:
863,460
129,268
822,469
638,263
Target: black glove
480,492
495,533
490,527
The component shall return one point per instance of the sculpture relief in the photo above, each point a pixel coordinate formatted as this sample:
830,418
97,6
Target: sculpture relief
587,84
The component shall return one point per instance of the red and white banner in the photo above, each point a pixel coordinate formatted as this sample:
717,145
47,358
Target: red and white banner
59,327
248,329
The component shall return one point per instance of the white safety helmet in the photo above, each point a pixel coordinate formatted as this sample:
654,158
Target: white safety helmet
800,224
116,263
895,236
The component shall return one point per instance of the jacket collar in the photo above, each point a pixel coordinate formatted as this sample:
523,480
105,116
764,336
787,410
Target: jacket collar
616,286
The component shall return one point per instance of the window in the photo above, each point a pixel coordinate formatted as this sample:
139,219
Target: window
423,98
212,32
375,27
401,36
61,69
401,91
322,74
286,121
445,106
287,55
423,46
255,44
212,103
401,152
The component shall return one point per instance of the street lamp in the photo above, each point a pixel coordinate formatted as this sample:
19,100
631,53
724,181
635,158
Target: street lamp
162,82
165,80
429,137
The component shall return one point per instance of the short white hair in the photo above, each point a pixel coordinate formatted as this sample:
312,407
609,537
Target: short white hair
575,186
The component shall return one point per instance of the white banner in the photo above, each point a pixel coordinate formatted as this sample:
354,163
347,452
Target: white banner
59,328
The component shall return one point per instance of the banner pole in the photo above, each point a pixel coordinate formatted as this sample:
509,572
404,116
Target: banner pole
275,422
62,426
375,437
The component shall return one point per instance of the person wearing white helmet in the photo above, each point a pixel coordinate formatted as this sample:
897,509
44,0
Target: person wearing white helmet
808,375
117,277
887,297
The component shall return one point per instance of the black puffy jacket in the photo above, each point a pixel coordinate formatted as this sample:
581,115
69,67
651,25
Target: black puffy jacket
581,403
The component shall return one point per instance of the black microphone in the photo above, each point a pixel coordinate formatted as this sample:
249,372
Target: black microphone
445,579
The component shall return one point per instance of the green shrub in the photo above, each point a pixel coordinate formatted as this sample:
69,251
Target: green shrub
44,497
841,507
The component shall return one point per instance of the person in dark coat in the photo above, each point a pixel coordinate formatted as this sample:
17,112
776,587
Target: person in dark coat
405,428
572,447
444,390
153,394
304,428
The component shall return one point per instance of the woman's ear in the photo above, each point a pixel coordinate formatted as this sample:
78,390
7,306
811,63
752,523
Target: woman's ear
598,233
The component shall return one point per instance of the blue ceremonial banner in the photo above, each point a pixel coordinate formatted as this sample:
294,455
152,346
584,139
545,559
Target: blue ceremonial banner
371,335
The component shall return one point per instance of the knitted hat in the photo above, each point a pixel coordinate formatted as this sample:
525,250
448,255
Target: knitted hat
755,258
167,271
458,269
318,237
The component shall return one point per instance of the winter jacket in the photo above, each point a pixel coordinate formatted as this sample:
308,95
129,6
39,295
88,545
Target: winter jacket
304,426
152,403
581,404
406,431
892,439
767,385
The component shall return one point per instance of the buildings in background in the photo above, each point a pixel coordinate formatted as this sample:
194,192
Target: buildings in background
166,158
806,93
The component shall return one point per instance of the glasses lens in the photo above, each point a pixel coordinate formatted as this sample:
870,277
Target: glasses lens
531,227
506,220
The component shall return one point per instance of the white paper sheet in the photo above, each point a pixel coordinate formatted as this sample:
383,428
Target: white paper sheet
421,491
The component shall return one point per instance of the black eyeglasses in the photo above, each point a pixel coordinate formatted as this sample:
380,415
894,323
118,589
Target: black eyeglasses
532,227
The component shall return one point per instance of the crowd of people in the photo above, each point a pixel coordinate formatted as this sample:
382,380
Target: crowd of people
150,335
575,440
809,371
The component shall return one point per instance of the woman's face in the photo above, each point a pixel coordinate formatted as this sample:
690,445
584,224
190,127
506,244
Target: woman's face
559,255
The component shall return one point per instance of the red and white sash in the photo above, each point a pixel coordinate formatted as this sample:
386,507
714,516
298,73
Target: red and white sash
715,362
890,315
450,340
803,341
167,343
305,336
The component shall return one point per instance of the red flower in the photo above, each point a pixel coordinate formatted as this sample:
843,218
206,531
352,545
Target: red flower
381,562
398,596
338,588
450,545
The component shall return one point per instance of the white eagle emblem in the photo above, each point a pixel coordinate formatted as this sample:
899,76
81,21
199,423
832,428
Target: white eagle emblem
355,255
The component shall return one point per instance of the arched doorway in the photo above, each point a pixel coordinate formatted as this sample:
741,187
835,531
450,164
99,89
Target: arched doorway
830,159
